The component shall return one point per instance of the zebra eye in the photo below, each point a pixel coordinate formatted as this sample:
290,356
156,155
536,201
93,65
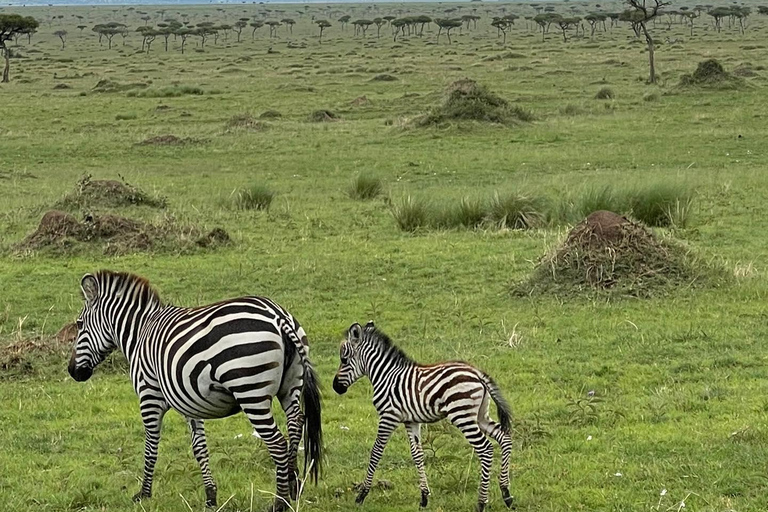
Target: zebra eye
344,360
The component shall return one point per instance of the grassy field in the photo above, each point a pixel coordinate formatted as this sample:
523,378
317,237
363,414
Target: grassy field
679,411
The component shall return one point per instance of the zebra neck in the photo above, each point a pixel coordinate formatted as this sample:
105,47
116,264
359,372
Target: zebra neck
387,371
129,325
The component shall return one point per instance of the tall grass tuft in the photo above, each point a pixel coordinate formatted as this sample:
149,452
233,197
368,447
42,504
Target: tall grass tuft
467,213
255,197
411,213
516,211
661,204
365,186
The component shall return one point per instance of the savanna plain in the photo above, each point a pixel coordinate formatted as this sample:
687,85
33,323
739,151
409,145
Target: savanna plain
623,401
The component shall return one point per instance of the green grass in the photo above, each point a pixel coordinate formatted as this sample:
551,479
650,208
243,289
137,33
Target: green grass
680,377
365,186
254,197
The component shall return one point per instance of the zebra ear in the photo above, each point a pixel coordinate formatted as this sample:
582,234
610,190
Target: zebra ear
355,332
369,326
90,287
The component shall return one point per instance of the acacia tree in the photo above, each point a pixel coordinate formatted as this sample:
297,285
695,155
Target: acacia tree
594,19
362,26
323,24
718,13
644,11
344,20
544,20
502,25
10,25
288,22
82,27
256,26
61,34
421,20
448,25
273,28
378,22
399,25
183,33
566,23
165,30
239,26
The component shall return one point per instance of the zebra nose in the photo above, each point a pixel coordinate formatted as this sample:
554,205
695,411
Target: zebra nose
338,387
80,374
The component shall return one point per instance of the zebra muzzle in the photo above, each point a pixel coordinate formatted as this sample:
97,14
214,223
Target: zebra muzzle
338,387
80,374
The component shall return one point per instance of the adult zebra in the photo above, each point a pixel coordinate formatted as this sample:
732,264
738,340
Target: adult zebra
206,362
407,392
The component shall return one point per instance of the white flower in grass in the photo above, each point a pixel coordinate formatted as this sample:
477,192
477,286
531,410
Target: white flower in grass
618,475
663,492
344,427
589,438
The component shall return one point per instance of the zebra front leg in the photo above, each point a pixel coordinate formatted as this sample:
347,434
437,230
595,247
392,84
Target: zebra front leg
387,425
414,436
200,450
152,412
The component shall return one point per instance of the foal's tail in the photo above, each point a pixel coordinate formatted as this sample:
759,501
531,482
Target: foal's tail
505,412
311,403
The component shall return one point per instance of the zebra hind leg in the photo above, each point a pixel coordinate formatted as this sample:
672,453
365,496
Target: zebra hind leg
200,450
264,425
483,449
291,406
494,430
417,452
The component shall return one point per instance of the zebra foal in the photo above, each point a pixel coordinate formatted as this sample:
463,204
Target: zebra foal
407,392
206,362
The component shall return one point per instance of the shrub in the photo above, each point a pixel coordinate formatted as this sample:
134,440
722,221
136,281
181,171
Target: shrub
516,211
606,93
410,213
256,197
365,186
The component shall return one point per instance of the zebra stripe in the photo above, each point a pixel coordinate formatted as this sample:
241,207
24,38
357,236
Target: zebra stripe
409,393
206,362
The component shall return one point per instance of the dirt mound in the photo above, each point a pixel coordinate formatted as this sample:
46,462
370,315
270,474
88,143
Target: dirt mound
360,101
59,87
166,140
107,85
60,232
90,193
244,122
710,73
384,78
270,114
322,116
466,100
609,252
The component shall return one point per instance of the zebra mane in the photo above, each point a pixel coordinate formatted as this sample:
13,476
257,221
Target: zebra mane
394,353
123,280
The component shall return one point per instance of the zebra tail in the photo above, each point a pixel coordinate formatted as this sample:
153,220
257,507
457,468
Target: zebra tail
505,412
312,406
313,430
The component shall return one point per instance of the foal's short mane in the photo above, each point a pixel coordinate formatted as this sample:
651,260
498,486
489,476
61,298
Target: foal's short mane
123,280
393,351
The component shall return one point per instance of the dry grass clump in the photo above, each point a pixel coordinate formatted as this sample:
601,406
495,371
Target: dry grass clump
90,193
466,100
711,74
608,252
323,116
60,232
245,122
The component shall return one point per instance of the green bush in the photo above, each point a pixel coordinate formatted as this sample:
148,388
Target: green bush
517,211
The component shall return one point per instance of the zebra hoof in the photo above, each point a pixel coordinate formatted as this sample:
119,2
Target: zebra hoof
141,496
278,506
509,500
424,499
361,497
293,487
210,497
480,507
